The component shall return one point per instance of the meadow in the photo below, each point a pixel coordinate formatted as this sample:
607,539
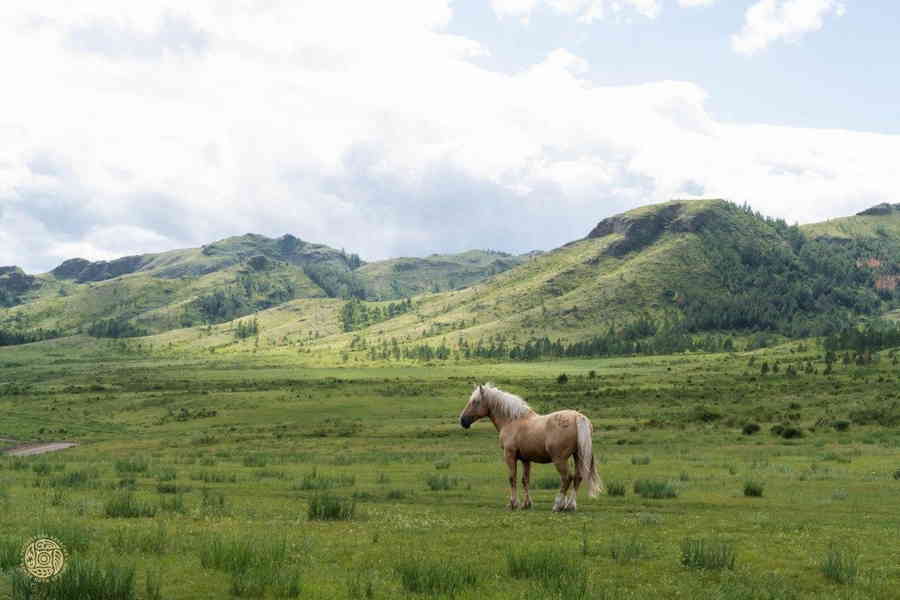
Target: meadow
256,477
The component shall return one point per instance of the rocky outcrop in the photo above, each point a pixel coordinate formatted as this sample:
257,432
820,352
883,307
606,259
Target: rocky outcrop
83,271
879,210
642,228
14,282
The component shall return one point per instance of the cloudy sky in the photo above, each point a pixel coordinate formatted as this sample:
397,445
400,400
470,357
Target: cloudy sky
406,127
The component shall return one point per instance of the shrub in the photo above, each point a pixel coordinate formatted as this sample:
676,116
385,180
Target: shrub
435,577
841,425
707,554
173,504
840,565
212,502
753,489
897,474
750,428
125,505
650,488
442,464
562,379
398,494
615,488
640,460
325,507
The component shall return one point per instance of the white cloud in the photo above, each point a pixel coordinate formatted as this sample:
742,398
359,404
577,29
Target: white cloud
278,123
586,11
768,21
691,3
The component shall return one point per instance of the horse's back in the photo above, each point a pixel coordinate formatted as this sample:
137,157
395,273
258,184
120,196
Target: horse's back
547,438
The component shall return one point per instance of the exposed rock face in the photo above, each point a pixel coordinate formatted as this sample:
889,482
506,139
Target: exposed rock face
641,230
15,282
82,270
879,210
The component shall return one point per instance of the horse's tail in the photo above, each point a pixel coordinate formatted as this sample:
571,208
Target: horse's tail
584,458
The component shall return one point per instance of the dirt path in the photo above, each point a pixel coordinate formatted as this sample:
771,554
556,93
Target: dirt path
32,449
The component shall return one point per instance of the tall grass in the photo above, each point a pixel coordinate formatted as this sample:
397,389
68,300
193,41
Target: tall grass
436,578
840,564
83,578
615,488
326,507
126,505
652,488
10,552
439,483
558,572
255,564
134,464
753,489
322,481
640,460
707,554
626,549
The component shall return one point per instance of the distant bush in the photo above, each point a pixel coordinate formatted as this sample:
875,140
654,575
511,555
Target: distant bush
321,481
442,464
841,425
786,431
707,554
649,488
897,474
562,379
750,428
753,489
640,460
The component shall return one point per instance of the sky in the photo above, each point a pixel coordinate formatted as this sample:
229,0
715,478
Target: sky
410,127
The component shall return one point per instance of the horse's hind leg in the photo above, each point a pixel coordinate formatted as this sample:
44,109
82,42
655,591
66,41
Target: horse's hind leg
526,479
511,464
565,479
572,503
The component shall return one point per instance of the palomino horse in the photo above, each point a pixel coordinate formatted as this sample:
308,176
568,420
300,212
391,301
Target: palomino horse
530,437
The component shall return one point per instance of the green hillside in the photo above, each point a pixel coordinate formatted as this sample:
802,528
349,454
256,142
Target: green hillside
881,221
216,283
674,276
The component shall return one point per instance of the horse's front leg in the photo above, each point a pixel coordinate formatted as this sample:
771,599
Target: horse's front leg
526,479
511,465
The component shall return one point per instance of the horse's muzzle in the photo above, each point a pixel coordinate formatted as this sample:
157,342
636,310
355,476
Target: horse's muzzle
465,422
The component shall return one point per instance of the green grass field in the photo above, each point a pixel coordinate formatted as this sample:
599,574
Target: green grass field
252,476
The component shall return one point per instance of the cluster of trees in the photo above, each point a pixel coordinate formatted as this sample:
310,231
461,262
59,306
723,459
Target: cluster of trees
245,329
875,336
355,314
336,281
775,279
248,294
12,337
118,327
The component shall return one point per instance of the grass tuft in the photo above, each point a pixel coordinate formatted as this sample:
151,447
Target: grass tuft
753,489
652,488
840,564
707,554
326,507
436,578
126,505
616,488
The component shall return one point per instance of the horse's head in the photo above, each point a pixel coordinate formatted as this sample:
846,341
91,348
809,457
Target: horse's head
476,408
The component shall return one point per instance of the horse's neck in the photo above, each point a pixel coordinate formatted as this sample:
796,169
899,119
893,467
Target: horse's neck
501,422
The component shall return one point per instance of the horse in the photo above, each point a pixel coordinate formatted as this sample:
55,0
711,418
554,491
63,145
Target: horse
529,437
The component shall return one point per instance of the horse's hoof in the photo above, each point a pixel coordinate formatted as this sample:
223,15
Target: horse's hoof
526,505
513,506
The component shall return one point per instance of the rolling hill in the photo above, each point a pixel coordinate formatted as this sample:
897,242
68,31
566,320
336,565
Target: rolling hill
665,277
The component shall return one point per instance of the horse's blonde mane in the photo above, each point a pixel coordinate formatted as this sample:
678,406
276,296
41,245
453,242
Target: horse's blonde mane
503,404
